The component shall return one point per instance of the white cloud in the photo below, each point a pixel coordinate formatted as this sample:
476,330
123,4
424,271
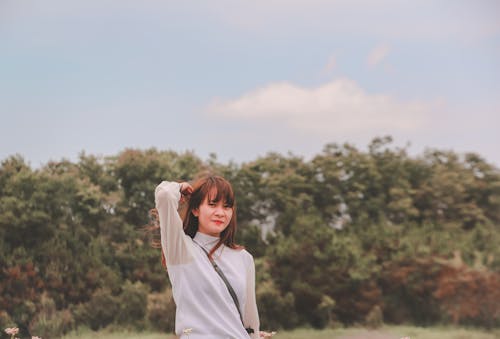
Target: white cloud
339,107
377,55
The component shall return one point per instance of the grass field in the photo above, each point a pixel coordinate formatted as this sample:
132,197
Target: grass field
387,332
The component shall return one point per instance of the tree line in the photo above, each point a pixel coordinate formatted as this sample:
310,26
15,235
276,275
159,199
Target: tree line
346,237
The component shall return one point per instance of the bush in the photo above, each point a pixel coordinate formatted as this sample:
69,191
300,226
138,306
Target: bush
469,296
276,310
50,323
133,305
99,311
374,318
161,311
5,320
408,286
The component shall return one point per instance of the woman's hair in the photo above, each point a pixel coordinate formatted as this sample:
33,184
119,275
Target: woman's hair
213,188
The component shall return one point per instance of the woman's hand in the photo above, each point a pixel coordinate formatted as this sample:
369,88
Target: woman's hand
263,334
186,189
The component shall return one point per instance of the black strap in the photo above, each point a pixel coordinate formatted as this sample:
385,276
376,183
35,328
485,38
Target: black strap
228,285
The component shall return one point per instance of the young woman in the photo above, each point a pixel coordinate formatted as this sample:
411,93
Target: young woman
205,307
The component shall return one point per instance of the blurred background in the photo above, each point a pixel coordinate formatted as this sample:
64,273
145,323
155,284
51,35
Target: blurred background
361,138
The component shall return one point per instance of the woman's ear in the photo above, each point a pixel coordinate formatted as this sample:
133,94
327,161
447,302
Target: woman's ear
195,212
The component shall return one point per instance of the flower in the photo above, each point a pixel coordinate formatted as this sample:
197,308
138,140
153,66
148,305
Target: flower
187,330
35,337
12,330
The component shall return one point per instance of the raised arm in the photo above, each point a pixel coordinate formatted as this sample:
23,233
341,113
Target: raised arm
176,245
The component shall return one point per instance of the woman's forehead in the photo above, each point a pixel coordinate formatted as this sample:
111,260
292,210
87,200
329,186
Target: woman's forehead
215,194
212,193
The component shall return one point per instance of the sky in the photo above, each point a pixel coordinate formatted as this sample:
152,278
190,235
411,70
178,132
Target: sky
241,79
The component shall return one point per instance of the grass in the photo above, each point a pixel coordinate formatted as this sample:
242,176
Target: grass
386,332
391,332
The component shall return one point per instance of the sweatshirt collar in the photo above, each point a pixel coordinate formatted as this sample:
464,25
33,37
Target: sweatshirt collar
205,240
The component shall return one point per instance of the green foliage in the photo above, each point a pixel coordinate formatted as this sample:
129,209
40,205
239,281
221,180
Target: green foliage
161,311
375,318
317,263
49,322
348,237
5,320
276,309
139,172
100,311
133,304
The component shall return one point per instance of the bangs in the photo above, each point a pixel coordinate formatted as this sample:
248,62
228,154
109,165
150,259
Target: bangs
217,189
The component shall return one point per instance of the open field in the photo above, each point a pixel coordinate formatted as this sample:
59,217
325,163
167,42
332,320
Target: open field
387,332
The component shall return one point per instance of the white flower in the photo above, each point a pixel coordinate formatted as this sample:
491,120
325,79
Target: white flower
12,330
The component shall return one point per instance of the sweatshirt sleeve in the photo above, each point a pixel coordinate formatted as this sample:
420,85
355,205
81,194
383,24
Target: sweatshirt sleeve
250,314
176,245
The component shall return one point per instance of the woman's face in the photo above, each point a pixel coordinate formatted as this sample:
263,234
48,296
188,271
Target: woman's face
213,217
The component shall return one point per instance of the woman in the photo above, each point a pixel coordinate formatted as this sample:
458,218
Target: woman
205,307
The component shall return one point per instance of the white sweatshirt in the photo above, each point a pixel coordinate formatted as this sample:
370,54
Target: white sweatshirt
205,308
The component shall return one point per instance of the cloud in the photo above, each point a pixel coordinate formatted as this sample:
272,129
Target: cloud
377,55
339,107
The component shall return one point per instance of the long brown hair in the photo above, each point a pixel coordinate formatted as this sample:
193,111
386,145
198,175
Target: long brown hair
203,188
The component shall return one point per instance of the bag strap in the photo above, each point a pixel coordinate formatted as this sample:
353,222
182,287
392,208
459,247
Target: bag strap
228,285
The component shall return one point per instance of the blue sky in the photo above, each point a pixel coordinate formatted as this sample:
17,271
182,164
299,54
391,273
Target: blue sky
243,78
